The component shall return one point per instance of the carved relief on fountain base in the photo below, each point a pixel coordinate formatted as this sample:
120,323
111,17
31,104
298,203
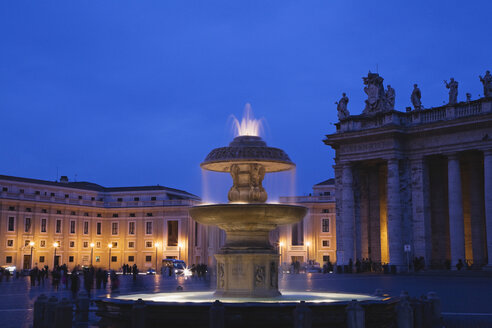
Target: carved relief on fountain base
247,275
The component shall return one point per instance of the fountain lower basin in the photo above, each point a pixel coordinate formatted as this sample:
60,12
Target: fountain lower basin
200,309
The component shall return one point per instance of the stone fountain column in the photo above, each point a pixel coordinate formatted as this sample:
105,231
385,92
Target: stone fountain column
247,265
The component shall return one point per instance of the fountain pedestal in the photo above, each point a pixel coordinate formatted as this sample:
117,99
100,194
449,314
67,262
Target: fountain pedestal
247,275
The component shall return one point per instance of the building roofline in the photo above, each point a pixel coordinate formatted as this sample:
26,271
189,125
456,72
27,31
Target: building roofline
83,185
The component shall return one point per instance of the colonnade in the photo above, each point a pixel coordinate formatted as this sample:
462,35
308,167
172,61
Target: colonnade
414,228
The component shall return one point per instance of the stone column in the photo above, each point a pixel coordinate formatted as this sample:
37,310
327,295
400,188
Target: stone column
347,214
487,174
393,206
456,221
420,209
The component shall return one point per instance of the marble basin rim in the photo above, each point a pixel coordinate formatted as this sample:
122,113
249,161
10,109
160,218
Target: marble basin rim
249,216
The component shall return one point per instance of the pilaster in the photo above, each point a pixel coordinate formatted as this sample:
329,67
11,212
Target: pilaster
421,209
456,220
487,168
393,204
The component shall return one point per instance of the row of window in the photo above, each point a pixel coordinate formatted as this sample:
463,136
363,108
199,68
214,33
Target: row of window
42,259
115,215
52,194
58,226
71,243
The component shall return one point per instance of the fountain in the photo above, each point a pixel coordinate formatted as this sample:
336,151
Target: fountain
247,265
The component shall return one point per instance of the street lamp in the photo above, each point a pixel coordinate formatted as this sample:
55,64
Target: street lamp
180,245
55,245
280,245
109,260
32,246
156,248
92,252
308,244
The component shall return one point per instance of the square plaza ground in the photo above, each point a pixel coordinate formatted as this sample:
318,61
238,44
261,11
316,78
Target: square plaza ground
465,296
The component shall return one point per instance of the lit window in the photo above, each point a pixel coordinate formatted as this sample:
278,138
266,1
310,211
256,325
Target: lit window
27,225
86,244
43,225
148,244
325,225
42,243
131,244
10,243
11,225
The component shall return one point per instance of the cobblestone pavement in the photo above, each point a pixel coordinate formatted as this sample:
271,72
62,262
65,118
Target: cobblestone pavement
465,298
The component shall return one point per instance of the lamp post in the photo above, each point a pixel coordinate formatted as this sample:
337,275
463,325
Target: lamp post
156,248
92,252
109,260
55,245
308,244
32,246
180,245
280,245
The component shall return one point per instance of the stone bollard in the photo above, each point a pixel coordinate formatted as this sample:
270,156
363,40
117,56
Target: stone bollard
418,312
303,316
138,314
82,308
64,314
426,312
404,314
39,310
49,313
217,315
355,315
435,308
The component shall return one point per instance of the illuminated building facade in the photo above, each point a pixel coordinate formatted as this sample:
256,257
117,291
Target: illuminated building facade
314,238
79,223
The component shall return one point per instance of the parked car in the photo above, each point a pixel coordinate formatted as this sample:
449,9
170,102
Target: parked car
150,271
178,266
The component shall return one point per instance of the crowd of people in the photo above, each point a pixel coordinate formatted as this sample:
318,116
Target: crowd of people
61,277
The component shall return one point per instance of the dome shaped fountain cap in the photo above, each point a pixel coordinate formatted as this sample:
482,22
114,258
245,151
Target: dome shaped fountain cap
247,149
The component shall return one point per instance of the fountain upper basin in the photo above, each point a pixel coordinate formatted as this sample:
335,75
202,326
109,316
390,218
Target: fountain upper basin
248,217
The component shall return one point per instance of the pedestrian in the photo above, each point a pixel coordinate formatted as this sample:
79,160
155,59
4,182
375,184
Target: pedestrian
74,284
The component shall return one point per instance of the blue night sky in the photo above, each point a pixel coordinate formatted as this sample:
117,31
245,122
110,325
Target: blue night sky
137,93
